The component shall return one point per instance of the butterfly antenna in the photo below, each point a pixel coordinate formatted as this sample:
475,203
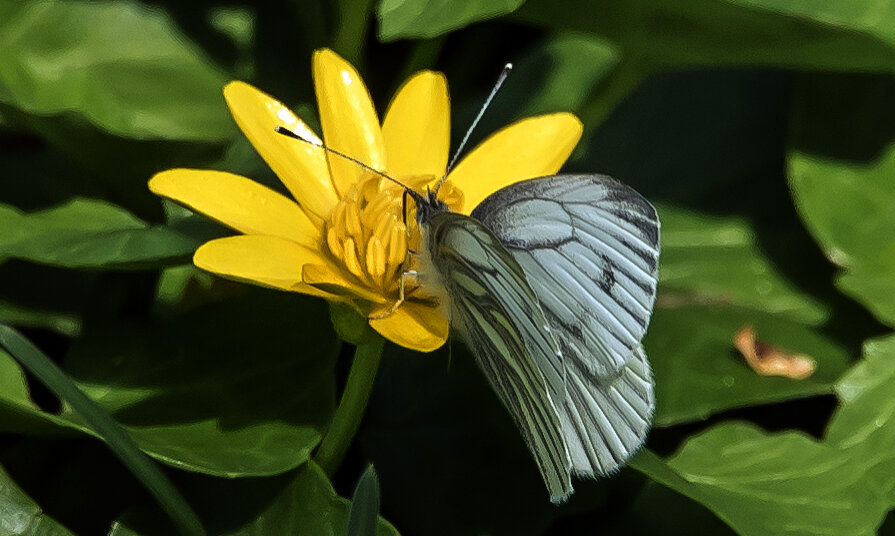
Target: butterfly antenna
500,80
290,134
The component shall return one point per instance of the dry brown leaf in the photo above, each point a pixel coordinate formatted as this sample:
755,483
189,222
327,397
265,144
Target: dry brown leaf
769,360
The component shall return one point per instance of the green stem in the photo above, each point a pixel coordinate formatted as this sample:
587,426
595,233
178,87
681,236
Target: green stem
351,31
629,73
348,415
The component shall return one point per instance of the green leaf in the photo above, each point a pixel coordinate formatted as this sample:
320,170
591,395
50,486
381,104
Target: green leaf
241,388
18,315
865,422
308,505
364,510
149,474
848,207
660,510
18,413
826,35
89,234
770,484
715,260
564,72
402,19
714,279
299,502
21,516
698,372
13,386
82,59
840,172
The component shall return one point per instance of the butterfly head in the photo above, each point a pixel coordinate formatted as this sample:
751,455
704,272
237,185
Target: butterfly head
427,205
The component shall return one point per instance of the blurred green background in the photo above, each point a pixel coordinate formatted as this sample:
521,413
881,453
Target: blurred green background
761,129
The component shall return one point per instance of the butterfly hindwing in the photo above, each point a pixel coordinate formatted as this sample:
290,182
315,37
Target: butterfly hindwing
493,306
589,247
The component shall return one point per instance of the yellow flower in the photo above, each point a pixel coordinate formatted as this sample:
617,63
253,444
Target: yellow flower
343,237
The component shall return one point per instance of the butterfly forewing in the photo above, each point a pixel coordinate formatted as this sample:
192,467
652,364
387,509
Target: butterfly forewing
496,310
589,247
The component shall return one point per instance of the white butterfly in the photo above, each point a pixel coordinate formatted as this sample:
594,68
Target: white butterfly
552,282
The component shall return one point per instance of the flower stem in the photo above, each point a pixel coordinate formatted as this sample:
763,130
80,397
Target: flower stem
351,31
347,417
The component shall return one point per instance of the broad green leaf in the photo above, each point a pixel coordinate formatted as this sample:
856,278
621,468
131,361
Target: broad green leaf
865,422
41,176
308,505
401,19
848,207
19,414
714,260
226,390
241,388
89,234
567,71
296,503
12,381
121,66
770,484
840,172
121,444
675,136
715,279
559,75
364,509
826,35
17,315
46,297
698,372
660,510
21,516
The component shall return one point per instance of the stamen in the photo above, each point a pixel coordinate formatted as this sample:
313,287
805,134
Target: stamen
366,231
375,258
352,220
351,258
397,245
335,246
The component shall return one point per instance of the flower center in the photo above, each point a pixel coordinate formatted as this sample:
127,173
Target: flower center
366,232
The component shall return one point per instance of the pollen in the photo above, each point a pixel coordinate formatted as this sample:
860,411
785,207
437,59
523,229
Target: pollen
366,233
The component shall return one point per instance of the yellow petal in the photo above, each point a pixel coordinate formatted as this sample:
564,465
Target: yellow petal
349,121
237,202
414,325
529,148
301,166
417,127
262,260
329,279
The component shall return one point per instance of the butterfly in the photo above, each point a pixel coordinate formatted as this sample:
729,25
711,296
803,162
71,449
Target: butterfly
551,281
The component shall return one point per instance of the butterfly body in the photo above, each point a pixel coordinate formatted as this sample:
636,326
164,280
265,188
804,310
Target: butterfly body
551,282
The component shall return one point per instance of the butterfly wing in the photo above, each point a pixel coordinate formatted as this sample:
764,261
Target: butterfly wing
589,246
496,310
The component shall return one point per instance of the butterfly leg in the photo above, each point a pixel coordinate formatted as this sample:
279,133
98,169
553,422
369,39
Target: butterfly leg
402,281
402,285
